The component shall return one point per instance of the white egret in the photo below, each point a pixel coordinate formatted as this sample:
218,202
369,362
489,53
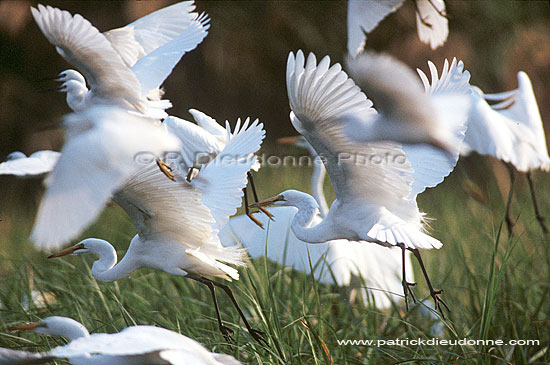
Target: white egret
99,155
178,222
202,143
339,262
375,198
133,345
37,164
407,114
510,130
364,15
125,66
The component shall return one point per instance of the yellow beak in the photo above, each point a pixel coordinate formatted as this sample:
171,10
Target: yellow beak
267,202
288,140
26,326
67,251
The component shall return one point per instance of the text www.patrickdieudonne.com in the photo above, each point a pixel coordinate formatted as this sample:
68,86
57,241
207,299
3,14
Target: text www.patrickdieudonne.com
437,342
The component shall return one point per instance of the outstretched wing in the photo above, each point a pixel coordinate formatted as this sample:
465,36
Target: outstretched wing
323,101
161,208
102,151
222,180
363,17
510,130
152,31
430,164
152,69
82,45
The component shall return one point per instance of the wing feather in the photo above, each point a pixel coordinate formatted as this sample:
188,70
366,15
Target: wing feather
150,32
431,165
161,208
324,118
223,179
82,45
152,69
98,157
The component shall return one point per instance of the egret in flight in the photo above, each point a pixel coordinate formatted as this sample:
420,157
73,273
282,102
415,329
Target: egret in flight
510,130
406,113
125,66
375,197
133,345
99,155
364,15
37,164
339,262
178,222
201,144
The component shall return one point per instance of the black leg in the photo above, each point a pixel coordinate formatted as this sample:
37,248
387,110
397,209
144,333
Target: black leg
226,332
509,223
251,181
247,210
406,285
434,293
257,335
540,218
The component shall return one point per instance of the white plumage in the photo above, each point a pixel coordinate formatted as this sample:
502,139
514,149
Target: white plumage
98,157
37,164
373,182
339,262
133,345
178,222
511,128
407,114
123,67
373,200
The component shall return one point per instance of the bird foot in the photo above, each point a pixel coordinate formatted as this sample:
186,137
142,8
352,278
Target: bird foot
258,336
226,332
192,173
408,291
438,302
267,212
253,219
166,170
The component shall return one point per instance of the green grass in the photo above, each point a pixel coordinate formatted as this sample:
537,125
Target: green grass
497,288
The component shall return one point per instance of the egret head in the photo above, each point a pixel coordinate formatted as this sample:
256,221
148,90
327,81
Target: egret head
89,245
71,75
292,198
59,326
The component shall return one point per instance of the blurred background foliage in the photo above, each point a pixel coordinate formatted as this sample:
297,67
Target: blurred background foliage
239,70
